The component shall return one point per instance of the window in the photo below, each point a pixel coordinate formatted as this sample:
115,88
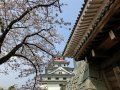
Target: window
49,78
60,84
60,73
57,78
64,78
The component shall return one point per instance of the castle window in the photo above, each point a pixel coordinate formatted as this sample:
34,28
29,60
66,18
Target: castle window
60,73
57,78
64,78
49,78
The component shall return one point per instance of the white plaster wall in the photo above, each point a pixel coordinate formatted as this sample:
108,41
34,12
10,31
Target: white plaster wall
44,78
62,72
53,87
56,65
54,78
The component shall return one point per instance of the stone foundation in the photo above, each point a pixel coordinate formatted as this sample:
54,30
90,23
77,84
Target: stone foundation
87,77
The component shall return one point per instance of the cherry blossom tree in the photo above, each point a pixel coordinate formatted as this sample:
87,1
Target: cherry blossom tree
28,34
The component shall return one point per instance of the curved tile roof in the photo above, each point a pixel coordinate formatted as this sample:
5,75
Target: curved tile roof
83,26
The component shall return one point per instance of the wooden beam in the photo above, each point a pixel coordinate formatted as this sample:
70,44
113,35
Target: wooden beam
96,2
85,22
91,10
93,6
110,61
87,19
83,25
108,43
112,35
82,30
89,15
99,53
79,33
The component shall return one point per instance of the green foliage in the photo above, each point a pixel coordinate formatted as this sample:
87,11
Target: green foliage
12,87
1,89
9,88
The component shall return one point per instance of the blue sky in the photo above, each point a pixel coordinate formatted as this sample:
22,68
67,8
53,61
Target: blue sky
70,13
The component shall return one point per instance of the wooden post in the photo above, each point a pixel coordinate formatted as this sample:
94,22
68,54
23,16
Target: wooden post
93,53
86,59
116,71
106,81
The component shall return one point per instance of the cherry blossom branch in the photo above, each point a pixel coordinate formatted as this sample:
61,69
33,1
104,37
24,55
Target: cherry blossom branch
40,48
2,37
10,54
34,66
34,56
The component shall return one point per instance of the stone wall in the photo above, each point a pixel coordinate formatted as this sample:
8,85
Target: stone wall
87,77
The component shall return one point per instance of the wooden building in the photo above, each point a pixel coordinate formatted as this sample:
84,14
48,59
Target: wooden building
96,39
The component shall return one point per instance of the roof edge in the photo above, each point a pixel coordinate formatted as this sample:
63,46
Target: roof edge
79,15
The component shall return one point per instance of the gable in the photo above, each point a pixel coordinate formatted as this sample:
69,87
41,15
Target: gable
60,70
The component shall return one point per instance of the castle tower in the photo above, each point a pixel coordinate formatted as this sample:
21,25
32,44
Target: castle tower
57,73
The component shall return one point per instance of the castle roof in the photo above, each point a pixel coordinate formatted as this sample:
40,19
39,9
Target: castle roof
89,28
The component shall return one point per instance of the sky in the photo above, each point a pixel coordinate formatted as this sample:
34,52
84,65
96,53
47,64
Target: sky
70,14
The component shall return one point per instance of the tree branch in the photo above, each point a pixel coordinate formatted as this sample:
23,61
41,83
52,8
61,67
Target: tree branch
34,56
2,37
28,10
46,39
17,27
32,65
10,54
31,35
36,33
40,48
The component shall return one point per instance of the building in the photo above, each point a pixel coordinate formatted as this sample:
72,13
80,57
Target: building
95,45
57,73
